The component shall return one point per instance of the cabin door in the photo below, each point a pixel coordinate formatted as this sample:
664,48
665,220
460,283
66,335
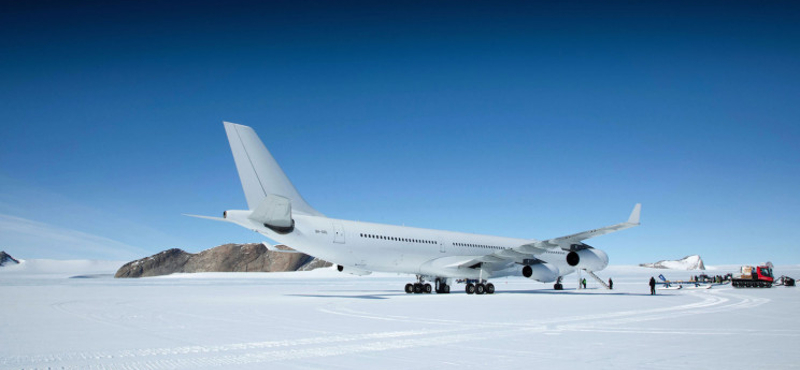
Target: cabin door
338,233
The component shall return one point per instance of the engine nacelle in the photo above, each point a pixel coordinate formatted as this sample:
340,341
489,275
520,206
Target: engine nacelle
590,259
352,270
542,272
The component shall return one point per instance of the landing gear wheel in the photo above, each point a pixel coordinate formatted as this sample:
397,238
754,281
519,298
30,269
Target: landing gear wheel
480,289
558,287
409,288
490,288
417,288
446,289
470,288
439,285
427,288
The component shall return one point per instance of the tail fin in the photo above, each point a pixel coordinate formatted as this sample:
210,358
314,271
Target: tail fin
258,171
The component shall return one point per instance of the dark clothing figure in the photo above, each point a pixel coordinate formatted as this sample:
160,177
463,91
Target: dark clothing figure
652,286
610,284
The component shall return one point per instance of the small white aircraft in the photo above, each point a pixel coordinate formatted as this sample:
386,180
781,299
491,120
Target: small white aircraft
443,257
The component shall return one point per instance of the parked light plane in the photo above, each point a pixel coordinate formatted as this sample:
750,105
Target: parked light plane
277,211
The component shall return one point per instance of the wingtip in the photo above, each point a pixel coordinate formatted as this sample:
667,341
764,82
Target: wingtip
637,211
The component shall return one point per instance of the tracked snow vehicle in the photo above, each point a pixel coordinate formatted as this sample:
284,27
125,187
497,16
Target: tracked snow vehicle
754,277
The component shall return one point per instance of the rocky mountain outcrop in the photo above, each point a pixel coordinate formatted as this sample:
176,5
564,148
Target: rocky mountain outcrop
224,258
693,262
6,258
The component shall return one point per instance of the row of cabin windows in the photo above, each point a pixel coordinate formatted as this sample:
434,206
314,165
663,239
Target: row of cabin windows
393,238
477,245
422,241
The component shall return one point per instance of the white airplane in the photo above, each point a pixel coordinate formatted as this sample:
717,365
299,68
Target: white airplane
277,211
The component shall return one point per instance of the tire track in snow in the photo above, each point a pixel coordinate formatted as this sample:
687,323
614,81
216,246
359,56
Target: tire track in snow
184,350
711,302
708,301
298,354
704,307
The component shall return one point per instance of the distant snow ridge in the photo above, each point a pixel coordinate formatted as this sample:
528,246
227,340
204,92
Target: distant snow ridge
5,258
224,258
693,262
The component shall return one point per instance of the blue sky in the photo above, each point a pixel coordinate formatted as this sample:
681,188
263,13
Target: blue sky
520,119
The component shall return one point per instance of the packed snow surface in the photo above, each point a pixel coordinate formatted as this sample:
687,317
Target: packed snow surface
325,319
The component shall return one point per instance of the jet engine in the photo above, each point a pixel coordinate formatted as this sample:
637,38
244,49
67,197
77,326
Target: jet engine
587,258
541,271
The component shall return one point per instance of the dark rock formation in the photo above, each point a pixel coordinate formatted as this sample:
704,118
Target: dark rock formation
5,258
224,258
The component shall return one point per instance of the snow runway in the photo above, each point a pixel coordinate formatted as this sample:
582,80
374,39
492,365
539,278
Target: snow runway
325,319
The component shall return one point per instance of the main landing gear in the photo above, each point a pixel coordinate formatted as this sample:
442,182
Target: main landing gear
418,288
478,287
441,286
421,286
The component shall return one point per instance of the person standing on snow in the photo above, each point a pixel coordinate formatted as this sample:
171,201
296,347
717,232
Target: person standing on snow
610,284
652,286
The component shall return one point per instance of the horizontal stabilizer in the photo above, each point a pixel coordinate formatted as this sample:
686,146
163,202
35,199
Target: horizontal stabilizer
278,249
207,217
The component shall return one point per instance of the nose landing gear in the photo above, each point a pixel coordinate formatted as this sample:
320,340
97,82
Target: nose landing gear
557,285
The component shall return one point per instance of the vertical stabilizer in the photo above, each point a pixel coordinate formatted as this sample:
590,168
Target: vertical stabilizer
258,171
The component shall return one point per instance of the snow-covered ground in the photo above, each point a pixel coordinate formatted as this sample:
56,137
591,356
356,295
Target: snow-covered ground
323,319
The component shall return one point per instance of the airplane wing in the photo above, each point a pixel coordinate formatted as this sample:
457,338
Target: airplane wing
526,253
503,258
499,259
566,242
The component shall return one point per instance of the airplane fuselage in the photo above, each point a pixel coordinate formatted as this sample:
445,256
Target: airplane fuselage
402,249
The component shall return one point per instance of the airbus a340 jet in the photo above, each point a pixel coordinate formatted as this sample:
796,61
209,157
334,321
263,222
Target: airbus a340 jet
443,258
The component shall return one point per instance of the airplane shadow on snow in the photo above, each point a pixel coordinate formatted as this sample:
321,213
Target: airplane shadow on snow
574,292
346,296
392,293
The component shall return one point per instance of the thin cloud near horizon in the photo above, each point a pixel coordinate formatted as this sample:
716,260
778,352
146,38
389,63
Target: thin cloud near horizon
25,238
